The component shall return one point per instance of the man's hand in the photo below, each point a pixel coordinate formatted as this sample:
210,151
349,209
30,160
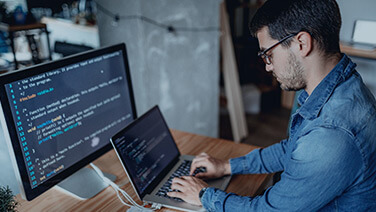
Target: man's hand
215,168
189,188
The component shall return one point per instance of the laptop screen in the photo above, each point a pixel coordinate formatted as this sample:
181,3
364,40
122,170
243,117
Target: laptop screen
146,149
364,32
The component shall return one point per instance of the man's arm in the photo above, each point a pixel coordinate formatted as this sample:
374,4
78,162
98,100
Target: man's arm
189,186
268,160
258,161
323,164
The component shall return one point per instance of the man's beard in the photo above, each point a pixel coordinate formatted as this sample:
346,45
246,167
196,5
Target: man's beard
293,78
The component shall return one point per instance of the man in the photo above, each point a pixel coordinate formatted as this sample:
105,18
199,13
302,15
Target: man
329,160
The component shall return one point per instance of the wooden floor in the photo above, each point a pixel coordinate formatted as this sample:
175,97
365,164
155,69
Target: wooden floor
265,128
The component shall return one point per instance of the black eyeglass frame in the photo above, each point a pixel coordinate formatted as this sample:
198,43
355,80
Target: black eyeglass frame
265,57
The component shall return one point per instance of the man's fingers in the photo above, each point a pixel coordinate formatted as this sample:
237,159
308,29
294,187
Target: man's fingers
175,194
202,175
203,154
201,157
196,165
179,180
177,186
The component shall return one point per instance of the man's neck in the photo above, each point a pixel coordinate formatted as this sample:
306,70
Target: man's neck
318,68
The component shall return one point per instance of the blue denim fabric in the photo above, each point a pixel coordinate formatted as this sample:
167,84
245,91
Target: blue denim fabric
329,160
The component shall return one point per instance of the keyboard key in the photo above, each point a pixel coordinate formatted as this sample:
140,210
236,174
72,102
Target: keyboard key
182,170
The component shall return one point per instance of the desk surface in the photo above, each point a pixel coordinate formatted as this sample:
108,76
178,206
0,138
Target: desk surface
106,200
351,51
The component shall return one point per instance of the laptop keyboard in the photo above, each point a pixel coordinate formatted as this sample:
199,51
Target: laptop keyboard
182,170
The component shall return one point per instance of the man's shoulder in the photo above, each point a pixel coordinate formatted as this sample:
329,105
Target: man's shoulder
353,92
325,147
322,140
348,115
351,106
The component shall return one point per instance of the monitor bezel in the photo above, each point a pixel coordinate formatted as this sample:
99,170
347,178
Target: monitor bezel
26,190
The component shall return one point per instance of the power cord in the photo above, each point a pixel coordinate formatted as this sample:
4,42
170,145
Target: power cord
119,191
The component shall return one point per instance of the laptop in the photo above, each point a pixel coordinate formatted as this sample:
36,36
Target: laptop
363,35
151,159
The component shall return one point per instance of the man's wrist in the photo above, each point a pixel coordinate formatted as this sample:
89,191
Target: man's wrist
201,193
227,168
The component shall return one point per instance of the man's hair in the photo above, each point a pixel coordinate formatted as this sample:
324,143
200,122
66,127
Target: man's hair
320,18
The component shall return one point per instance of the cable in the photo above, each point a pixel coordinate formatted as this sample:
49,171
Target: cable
119,191
116,188
169,28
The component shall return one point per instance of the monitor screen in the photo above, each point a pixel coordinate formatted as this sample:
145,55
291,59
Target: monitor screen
60,116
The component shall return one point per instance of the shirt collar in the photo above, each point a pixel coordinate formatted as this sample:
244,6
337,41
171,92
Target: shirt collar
312,105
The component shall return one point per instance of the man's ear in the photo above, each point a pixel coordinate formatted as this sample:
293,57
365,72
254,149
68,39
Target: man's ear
305,43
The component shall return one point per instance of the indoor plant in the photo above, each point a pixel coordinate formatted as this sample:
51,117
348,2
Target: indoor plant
7,200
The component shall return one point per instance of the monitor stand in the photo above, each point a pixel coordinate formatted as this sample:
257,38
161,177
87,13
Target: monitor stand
84,184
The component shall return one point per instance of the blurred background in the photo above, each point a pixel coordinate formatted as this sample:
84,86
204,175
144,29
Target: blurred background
177,51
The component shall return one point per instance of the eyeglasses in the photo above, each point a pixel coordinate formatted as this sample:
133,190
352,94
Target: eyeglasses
267,58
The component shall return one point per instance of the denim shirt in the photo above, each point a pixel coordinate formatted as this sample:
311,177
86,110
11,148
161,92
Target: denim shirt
329,160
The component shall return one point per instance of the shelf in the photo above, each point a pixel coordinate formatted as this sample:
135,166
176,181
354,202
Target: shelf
12,34
7,28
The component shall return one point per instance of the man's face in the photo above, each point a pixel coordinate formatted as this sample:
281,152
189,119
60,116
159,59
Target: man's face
285,66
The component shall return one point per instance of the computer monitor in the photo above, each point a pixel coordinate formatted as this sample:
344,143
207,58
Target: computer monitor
60,116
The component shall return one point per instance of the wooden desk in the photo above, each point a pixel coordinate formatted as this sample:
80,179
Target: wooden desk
349,50
54,200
